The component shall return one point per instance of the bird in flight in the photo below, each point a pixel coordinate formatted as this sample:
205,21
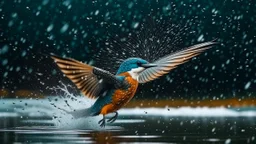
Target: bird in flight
113,91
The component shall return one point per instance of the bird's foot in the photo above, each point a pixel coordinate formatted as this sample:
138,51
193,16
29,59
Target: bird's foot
102,122
113,119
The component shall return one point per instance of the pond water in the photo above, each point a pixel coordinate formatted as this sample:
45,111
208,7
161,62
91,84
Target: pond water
154,125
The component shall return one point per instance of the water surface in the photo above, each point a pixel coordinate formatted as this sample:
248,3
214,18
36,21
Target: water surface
157,125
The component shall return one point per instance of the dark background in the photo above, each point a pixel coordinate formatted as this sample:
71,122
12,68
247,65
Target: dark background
81,29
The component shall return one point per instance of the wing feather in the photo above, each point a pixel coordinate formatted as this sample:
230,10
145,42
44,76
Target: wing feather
88,79
169,62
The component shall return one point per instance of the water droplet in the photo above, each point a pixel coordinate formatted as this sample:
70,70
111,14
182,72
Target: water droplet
200,38
49,28
96,12
135,25
247,85
64,28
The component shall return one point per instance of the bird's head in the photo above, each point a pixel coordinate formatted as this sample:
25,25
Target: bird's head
134,66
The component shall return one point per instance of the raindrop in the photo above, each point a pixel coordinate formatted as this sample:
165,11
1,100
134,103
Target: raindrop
64,28
200,38
49,28
4,49
4,62
96,12
247,85
228,141
135,25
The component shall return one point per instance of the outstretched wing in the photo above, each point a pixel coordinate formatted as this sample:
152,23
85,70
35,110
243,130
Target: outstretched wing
169,62
88,79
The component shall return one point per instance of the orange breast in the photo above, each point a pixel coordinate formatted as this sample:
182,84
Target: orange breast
121,97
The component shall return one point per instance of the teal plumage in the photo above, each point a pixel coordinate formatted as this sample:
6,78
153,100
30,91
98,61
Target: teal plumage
129,64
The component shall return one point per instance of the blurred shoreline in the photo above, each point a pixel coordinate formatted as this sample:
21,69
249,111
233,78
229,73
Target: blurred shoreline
143,103
231,102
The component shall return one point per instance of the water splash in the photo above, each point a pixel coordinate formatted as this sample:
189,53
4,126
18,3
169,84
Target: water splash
150,41
52,108
69,102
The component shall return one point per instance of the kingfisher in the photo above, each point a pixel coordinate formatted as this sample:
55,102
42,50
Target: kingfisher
114,91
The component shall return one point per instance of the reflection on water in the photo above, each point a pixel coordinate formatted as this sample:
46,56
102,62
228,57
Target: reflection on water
166,125
157,129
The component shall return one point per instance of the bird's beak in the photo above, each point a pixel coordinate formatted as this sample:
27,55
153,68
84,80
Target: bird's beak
148,65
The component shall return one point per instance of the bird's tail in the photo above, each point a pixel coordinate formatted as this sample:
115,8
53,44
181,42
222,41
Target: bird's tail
81,112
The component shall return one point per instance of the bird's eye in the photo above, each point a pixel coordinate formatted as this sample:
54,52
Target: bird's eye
139,63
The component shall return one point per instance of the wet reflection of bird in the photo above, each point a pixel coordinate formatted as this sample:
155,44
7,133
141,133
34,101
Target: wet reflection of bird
114,91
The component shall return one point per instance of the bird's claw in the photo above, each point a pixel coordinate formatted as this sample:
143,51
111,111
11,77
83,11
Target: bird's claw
113,119
102,122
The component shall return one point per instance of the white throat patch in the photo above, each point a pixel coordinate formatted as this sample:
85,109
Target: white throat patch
135,72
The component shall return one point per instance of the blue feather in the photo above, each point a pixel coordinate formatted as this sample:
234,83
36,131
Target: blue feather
129,64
